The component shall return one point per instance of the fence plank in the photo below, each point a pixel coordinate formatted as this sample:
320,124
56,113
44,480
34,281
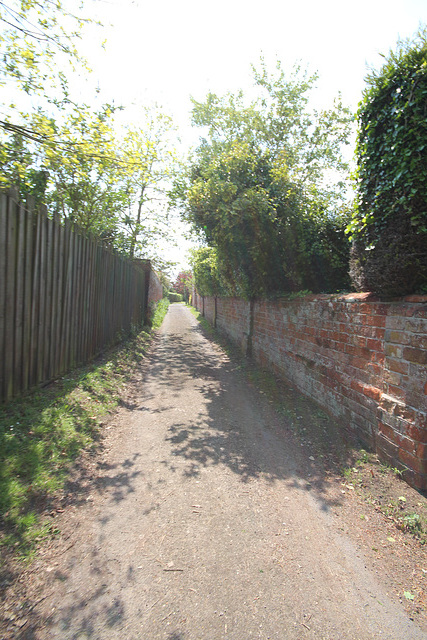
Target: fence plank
35,302
41,355
47,324
3,249
19,297
26,331
54,312
11,232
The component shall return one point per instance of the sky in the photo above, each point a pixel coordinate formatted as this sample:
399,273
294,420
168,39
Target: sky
165,51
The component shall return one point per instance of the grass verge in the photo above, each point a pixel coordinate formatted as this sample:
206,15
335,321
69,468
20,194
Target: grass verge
43,433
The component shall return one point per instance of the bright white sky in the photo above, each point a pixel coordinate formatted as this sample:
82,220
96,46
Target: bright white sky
166,50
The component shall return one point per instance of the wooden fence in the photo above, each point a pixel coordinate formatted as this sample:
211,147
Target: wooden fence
63,298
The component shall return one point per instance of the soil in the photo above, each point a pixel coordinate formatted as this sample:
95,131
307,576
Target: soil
222,504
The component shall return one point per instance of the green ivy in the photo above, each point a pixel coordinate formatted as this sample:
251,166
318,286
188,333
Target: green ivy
391,172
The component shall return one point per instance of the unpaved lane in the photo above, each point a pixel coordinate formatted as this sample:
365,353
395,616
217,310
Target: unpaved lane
199,525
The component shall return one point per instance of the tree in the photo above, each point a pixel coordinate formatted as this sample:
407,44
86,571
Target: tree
389,225
184,283
149,162
208,279
35,35
257,188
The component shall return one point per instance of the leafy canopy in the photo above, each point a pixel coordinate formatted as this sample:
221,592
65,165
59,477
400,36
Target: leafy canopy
34,35
259,187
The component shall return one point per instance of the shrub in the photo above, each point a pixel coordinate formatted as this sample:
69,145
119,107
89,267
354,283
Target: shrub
389,226
174,297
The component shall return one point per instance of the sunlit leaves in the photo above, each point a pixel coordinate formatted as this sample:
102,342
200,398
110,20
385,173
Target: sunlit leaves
33,34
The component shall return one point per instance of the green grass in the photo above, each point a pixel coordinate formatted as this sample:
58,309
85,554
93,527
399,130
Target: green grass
160,312
43,433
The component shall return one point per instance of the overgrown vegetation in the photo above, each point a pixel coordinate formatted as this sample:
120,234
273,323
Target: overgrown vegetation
389,226
42,434
259,190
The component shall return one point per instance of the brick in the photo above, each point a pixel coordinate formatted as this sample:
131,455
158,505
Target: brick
392,377
416,298
397,337
416,325
387,446
417,480
396,322
375,321
413,462
389,432
393,350
420,311
418,340
398,424
397,365
419,434
374,344
399,392
414,448
413,354
372,332
372,392
421,450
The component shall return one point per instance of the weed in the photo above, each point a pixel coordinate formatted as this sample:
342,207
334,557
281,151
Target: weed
363,457
412,523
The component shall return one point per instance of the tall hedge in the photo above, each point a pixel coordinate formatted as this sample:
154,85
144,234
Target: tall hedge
389,226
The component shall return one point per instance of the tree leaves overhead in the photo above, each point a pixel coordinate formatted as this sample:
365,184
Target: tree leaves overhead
33,34
70,157
110,185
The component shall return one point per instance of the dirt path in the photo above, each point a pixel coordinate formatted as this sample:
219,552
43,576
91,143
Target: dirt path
200,523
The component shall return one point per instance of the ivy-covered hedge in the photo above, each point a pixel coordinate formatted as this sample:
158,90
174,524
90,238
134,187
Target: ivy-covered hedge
389,226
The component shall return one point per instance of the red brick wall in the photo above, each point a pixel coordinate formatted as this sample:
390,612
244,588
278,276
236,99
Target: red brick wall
233,318
209,310
229,315
362,359
155,289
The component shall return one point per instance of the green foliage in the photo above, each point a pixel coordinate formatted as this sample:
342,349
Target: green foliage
34,35
208,278
148,163
256,189
110,185
389,225
159,314
109,182
174,297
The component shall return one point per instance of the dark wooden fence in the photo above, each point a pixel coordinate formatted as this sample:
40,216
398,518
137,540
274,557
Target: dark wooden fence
63,298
